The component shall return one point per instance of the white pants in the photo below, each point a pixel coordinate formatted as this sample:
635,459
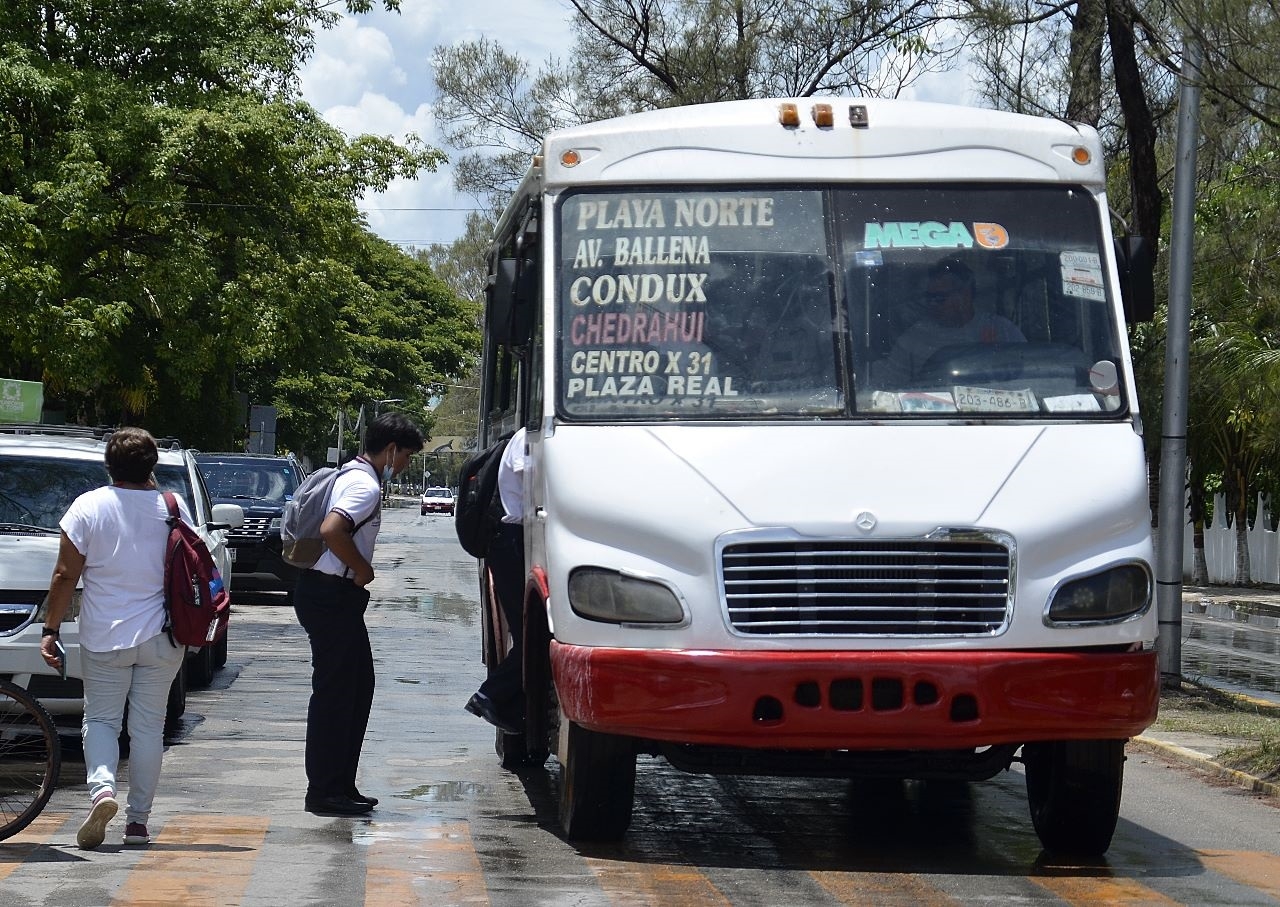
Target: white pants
141,676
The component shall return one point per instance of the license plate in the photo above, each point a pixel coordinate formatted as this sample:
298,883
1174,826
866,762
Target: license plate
992,400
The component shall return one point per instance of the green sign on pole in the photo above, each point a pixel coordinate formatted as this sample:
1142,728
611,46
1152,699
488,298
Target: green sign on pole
20,401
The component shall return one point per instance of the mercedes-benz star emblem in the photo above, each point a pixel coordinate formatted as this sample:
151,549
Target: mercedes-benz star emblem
866,521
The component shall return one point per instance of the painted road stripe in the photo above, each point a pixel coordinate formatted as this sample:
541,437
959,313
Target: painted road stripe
874,889
196,860
656,884
1252,868
15,850
1093,891
432,864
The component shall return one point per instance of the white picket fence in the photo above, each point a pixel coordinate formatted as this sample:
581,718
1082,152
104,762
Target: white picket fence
1220,547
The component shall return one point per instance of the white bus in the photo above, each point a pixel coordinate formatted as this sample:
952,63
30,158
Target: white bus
836,462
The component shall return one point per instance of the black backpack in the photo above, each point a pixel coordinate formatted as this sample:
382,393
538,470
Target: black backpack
478,512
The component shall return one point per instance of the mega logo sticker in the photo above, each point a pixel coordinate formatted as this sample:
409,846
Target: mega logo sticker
932,234
991,236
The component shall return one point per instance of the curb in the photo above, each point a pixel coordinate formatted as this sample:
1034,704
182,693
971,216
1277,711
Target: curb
1200,761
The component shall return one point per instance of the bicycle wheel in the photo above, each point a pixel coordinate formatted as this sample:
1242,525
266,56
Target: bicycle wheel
30,758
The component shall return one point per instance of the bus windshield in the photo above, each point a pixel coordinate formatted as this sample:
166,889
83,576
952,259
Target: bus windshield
904,301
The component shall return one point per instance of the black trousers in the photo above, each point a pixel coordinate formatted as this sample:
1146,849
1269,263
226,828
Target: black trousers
331,610
505,683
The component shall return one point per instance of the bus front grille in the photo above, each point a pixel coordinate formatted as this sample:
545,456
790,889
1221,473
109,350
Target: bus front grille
899,587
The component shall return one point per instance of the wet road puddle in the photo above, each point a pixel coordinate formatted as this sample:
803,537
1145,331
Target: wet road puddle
446,791
1240,652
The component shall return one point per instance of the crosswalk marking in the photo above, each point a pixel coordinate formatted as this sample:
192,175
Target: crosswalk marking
656,884
1093,890
876,889
211,860
15,850
196,861
1252,868
430,865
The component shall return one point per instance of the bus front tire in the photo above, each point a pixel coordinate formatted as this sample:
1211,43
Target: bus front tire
597,784
1073,790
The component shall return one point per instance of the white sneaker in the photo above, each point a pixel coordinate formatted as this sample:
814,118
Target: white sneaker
94,830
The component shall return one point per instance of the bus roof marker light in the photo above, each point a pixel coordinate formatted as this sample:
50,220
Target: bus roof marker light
789,115
1081,155
570,158
823,118
858,116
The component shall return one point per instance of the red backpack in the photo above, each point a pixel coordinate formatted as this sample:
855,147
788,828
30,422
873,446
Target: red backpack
195,600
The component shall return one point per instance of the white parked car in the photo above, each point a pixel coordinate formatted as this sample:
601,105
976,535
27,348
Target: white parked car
42,470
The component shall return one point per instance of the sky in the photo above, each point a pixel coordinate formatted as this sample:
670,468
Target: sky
372,74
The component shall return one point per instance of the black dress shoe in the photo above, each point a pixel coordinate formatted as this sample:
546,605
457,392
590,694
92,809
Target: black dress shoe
337,805
486,708
361,798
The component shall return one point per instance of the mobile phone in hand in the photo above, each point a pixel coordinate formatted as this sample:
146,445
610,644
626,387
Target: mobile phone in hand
62,657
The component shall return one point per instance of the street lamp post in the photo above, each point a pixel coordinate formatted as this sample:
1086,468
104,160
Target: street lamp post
364,431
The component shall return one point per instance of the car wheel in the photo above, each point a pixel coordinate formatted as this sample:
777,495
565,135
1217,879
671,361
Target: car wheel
597,783
200,667
1073,789
176,707
220,649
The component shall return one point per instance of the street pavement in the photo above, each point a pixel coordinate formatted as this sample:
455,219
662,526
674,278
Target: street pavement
230,828
1231,642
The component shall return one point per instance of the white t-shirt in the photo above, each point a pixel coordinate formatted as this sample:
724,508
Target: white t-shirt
122,534
924,338
357,495
511,478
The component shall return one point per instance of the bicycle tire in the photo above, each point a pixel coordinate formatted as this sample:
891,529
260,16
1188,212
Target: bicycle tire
30,758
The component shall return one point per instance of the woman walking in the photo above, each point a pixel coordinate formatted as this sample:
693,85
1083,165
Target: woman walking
115,537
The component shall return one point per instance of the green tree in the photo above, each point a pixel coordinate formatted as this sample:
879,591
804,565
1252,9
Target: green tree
176,229
631,56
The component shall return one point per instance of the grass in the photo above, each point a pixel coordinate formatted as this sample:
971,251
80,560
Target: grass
1253,729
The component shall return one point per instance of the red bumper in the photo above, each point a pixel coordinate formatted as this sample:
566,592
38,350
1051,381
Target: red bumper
857,700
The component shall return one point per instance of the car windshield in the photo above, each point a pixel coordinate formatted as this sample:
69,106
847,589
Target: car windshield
267,481
36,491
438,493
841,302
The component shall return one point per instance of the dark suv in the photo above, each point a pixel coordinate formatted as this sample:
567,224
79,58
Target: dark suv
261,484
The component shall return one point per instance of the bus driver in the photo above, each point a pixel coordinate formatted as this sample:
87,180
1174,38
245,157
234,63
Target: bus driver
951,319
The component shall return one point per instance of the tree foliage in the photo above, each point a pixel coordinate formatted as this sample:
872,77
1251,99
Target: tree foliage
178,231
632,56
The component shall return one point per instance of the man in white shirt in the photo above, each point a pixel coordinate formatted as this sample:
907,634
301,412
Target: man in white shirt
330,601
951,320
500,699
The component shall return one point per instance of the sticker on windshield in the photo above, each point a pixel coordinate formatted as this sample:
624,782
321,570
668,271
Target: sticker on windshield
1082,275
994,400
932,234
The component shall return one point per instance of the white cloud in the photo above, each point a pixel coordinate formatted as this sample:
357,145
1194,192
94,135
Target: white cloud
350,59
372,74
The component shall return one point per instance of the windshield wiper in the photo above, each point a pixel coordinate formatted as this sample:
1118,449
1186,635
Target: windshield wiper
27,527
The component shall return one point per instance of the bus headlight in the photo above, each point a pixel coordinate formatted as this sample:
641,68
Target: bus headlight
1112,595
608,595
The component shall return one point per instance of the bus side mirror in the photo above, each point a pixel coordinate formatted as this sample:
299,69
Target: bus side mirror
501,293
1137,278
525,302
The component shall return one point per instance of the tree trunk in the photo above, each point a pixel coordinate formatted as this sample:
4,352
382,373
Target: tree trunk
1084,104
1199,563
1243,568
1144,174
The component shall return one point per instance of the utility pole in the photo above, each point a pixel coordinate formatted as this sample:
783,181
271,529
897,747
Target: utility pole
1173,439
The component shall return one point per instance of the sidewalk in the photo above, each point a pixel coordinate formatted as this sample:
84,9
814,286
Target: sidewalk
1226,608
